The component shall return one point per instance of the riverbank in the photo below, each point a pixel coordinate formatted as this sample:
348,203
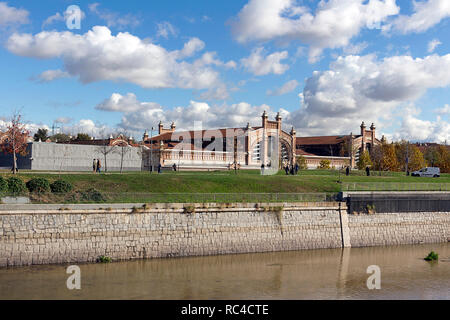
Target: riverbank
175,230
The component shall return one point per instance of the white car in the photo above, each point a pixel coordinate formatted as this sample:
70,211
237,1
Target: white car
427,172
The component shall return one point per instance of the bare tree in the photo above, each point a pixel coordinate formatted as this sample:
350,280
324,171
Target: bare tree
105,149
15,139
122,151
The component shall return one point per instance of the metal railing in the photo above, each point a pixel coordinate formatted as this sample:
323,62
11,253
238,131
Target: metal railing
137,197
394,186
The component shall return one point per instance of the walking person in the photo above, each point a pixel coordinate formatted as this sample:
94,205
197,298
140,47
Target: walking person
367,171
347,171
286,169
94,166
174,167
99,165
262,169
296,168
159,168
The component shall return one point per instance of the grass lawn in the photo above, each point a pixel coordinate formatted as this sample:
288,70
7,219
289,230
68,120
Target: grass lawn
130,186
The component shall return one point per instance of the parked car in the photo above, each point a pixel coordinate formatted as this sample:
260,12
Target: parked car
427,172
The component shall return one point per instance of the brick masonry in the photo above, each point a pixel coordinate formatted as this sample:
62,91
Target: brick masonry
68,236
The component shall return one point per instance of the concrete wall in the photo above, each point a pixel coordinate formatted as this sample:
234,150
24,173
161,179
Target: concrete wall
70,157
166,230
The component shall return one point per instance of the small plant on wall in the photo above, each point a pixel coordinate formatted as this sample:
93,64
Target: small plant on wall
370,208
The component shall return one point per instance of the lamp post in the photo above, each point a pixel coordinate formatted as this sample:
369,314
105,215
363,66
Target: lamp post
151,151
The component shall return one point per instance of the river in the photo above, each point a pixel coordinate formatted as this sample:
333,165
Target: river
309,274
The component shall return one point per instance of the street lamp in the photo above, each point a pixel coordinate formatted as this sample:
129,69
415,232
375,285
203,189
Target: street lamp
151,151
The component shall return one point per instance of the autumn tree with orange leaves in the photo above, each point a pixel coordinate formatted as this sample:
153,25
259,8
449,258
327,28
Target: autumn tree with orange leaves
15,139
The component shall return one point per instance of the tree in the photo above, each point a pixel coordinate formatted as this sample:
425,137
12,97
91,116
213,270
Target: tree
443,159
377,154
416,159
123,150
41,135
432,156
60,137
105,150
325,164
301,161
364,160
15,139
390,162
83,137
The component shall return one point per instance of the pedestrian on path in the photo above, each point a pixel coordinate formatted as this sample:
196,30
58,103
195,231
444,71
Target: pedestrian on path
99,165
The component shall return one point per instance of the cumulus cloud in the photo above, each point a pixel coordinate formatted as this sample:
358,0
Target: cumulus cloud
63,120
285,88
332,25
10,16
432,45
426,15
138,116
415,129
357,88
98,55
260,65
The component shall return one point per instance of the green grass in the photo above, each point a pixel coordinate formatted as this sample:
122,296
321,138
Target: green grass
135,186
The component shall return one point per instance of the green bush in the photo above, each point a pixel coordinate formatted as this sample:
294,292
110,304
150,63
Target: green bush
61,186
92,195
3,185
16,185
104,259
432,256
38,185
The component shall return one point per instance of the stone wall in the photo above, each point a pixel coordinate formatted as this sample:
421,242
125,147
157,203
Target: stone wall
169,230
399,228
72,157
62,236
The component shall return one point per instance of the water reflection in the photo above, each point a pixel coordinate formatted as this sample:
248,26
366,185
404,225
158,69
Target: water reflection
309,274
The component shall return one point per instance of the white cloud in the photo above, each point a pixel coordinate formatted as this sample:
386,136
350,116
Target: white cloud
98,55
355,48
139,116
358,88
10,16
260,65
426,15
63,120
285,88
114,19
59,17
445,110
332,25
165,29
432,45
51,75
415,129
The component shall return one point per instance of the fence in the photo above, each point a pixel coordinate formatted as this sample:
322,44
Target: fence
385,204
394,186
100,197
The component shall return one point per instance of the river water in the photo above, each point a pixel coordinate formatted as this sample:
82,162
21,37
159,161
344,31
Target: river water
309,274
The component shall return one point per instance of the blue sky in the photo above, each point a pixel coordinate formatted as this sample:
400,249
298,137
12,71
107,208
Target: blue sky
325,65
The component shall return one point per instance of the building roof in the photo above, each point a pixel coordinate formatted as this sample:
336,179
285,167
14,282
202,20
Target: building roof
321,140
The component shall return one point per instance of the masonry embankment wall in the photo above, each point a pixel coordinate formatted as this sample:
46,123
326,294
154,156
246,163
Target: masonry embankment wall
169,230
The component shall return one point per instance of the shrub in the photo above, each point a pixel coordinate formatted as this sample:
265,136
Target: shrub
432,256
38,185
325,164
302,165
61,186
92,195
16,185
3,185
104,259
